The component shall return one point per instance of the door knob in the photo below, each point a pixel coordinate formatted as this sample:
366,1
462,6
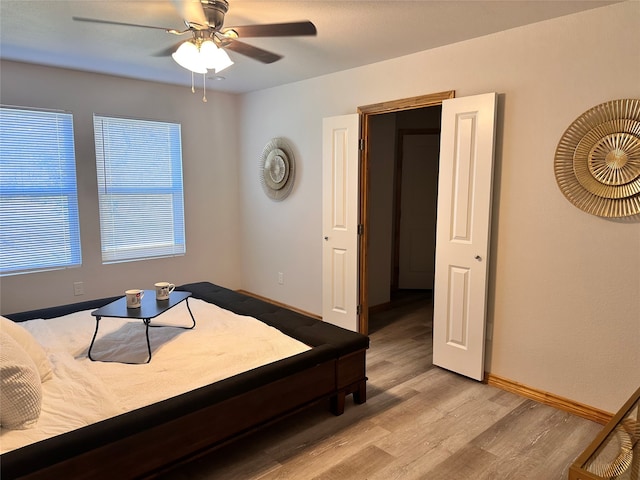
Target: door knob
326,238
478,257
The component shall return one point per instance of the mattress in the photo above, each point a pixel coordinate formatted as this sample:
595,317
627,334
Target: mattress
82,392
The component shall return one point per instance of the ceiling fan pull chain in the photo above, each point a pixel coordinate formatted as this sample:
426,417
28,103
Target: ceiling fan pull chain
193,89
204,87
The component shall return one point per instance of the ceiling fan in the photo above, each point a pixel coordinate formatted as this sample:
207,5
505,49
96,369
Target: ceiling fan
204,20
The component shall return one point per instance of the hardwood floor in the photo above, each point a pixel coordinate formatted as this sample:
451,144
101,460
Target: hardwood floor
419,422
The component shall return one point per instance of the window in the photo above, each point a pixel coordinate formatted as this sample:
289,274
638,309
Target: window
39,226
139,165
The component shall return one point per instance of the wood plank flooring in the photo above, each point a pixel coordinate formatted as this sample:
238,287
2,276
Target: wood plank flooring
419,422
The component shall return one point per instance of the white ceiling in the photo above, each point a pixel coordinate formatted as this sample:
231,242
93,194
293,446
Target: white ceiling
350,34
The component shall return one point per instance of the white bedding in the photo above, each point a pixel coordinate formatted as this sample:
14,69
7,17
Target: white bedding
82,392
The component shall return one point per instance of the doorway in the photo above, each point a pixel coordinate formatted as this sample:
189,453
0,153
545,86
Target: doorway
404,161
416,195
387,130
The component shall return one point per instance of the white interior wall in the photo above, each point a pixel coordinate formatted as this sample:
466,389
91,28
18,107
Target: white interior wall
563,301
209,148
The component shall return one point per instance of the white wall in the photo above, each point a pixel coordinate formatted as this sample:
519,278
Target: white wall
210,175
564,290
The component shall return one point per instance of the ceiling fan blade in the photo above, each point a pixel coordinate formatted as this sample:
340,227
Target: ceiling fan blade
250,51
169,50
109,22
292,29
191,11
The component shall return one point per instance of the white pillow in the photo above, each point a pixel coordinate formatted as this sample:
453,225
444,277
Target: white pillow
20,388
30,345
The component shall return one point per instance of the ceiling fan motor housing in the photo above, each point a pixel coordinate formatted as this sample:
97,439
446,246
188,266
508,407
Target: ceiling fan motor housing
215,11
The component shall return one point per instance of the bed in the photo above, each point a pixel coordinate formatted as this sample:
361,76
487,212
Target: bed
145,441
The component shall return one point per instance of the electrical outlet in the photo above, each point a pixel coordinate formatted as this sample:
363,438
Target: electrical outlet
78,288
280,278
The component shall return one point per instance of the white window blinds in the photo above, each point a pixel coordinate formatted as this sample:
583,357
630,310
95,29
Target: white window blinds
39,226
139,168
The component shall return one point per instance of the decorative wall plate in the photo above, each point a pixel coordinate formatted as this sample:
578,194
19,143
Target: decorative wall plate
614,456
597,161
277,169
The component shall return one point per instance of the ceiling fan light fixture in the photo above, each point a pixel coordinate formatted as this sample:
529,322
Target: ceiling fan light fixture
214,58
200,59
188,56
222,60
208,52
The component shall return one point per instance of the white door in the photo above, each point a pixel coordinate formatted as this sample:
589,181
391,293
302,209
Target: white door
462,233
340,217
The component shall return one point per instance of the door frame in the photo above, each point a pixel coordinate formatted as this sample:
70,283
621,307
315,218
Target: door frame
365,112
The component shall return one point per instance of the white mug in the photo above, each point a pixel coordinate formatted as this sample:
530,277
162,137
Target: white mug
134,297
163,289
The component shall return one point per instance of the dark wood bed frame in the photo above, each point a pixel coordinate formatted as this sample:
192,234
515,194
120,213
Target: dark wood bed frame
148,441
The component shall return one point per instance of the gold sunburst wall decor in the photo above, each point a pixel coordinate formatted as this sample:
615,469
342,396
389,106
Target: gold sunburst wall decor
597,162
